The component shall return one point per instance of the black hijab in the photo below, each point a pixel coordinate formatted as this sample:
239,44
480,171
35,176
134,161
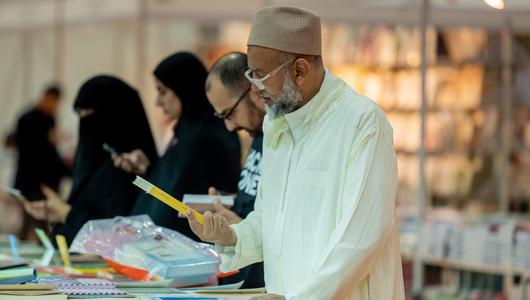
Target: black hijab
185,75
99,189
203,152
119,120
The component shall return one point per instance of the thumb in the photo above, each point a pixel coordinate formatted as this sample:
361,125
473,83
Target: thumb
131,157
138,155
195,226
47,191
217,204
212,191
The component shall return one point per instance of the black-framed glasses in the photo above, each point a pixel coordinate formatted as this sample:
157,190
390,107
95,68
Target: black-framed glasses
225,115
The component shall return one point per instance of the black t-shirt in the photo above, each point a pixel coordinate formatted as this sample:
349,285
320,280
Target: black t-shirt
247,187
247,190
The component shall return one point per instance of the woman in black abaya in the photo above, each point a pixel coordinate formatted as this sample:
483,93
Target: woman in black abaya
202,153
110,112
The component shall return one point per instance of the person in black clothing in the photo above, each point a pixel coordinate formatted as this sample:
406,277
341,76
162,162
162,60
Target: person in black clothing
202,153
38,160
111,112
229,93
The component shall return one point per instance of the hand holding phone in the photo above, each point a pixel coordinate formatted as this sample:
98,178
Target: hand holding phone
135,162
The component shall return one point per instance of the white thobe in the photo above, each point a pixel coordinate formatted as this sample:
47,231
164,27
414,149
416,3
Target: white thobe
324,221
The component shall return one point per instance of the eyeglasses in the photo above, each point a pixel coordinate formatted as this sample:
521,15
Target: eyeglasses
258,82
225,115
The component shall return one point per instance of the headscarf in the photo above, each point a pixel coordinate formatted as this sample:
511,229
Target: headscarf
185,75
119,120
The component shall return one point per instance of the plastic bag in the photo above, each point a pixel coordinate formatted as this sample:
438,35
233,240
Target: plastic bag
137,243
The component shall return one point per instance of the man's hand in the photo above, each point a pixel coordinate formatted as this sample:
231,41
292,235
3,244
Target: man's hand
214,230
220,210
134,162
268,297
57,208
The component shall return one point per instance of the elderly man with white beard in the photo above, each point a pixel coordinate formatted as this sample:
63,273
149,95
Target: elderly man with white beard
324,220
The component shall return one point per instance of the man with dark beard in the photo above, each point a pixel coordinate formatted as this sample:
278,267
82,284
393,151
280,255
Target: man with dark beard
230,94
324,220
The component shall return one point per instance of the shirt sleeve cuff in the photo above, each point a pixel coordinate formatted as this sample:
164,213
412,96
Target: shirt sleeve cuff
230,255
243,253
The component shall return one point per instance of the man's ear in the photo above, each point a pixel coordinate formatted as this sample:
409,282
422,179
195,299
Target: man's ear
301,70
255,99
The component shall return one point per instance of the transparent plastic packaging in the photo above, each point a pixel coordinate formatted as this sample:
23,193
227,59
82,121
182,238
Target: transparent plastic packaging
137,243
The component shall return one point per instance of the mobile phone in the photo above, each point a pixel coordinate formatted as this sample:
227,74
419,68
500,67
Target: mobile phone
109,149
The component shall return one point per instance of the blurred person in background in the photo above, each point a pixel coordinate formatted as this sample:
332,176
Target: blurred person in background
38,159
36,139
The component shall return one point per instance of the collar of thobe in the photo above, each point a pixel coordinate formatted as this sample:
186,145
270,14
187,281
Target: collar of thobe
274,129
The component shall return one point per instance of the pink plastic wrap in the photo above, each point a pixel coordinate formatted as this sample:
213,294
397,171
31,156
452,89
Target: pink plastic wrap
137,242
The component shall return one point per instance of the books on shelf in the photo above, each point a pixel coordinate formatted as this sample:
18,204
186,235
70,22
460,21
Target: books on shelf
495,244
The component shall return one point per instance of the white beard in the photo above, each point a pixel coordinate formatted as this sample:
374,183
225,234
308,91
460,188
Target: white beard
286,102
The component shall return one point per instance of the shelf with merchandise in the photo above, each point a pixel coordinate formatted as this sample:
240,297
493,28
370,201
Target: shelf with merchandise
449,89
440,64
468,244
465,117
473,266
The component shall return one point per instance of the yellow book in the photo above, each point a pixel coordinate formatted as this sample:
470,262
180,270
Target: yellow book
166,198
63,250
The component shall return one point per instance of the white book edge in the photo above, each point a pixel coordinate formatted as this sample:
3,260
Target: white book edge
143,184
207,199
